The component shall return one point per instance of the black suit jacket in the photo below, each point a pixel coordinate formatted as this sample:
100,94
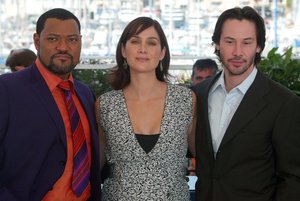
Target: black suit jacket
33,149
259,156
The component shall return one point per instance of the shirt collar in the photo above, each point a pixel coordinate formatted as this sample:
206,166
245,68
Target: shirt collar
218,83
51,79
242,87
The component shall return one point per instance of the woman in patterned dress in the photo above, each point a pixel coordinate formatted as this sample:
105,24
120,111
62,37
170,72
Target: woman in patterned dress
146,124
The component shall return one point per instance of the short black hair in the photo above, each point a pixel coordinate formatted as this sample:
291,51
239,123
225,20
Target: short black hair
203,64
57,13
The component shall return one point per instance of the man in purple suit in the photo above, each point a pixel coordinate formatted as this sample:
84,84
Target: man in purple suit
36,138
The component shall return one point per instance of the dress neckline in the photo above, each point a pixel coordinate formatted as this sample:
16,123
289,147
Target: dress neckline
161,133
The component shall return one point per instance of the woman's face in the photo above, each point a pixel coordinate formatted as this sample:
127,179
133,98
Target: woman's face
143,51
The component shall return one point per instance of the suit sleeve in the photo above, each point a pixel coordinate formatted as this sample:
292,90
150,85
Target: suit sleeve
4,192
286,141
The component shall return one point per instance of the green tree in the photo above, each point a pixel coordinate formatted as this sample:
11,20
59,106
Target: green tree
95,78
282,68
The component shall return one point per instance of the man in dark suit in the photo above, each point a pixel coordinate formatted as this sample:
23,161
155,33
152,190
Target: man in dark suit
248,128
37,152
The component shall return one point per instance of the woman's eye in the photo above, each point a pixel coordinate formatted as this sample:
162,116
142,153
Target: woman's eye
134,41
153,43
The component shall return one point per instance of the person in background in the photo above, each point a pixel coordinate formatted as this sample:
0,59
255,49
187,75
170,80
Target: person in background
49,146
248,126
19,59
203,69
147,123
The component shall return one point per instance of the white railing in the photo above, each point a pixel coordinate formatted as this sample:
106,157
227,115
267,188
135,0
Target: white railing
177,63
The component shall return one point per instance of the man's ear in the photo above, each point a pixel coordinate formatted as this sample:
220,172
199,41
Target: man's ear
258,49
36,40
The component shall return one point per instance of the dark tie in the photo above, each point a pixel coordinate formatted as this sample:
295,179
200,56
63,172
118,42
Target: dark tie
81,171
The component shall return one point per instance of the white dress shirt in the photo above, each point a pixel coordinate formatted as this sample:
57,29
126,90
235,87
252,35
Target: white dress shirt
222,106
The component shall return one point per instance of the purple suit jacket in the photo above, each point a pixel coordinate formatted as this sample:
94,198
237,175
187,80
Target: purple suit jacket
33,149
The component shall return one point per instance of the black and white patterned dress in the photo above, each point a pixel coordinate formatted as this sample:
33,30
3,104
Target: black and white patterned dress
134,174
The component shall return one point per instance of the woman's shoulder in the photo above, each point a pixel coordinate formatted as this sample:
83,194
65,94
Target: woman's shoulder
179,88
110,94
